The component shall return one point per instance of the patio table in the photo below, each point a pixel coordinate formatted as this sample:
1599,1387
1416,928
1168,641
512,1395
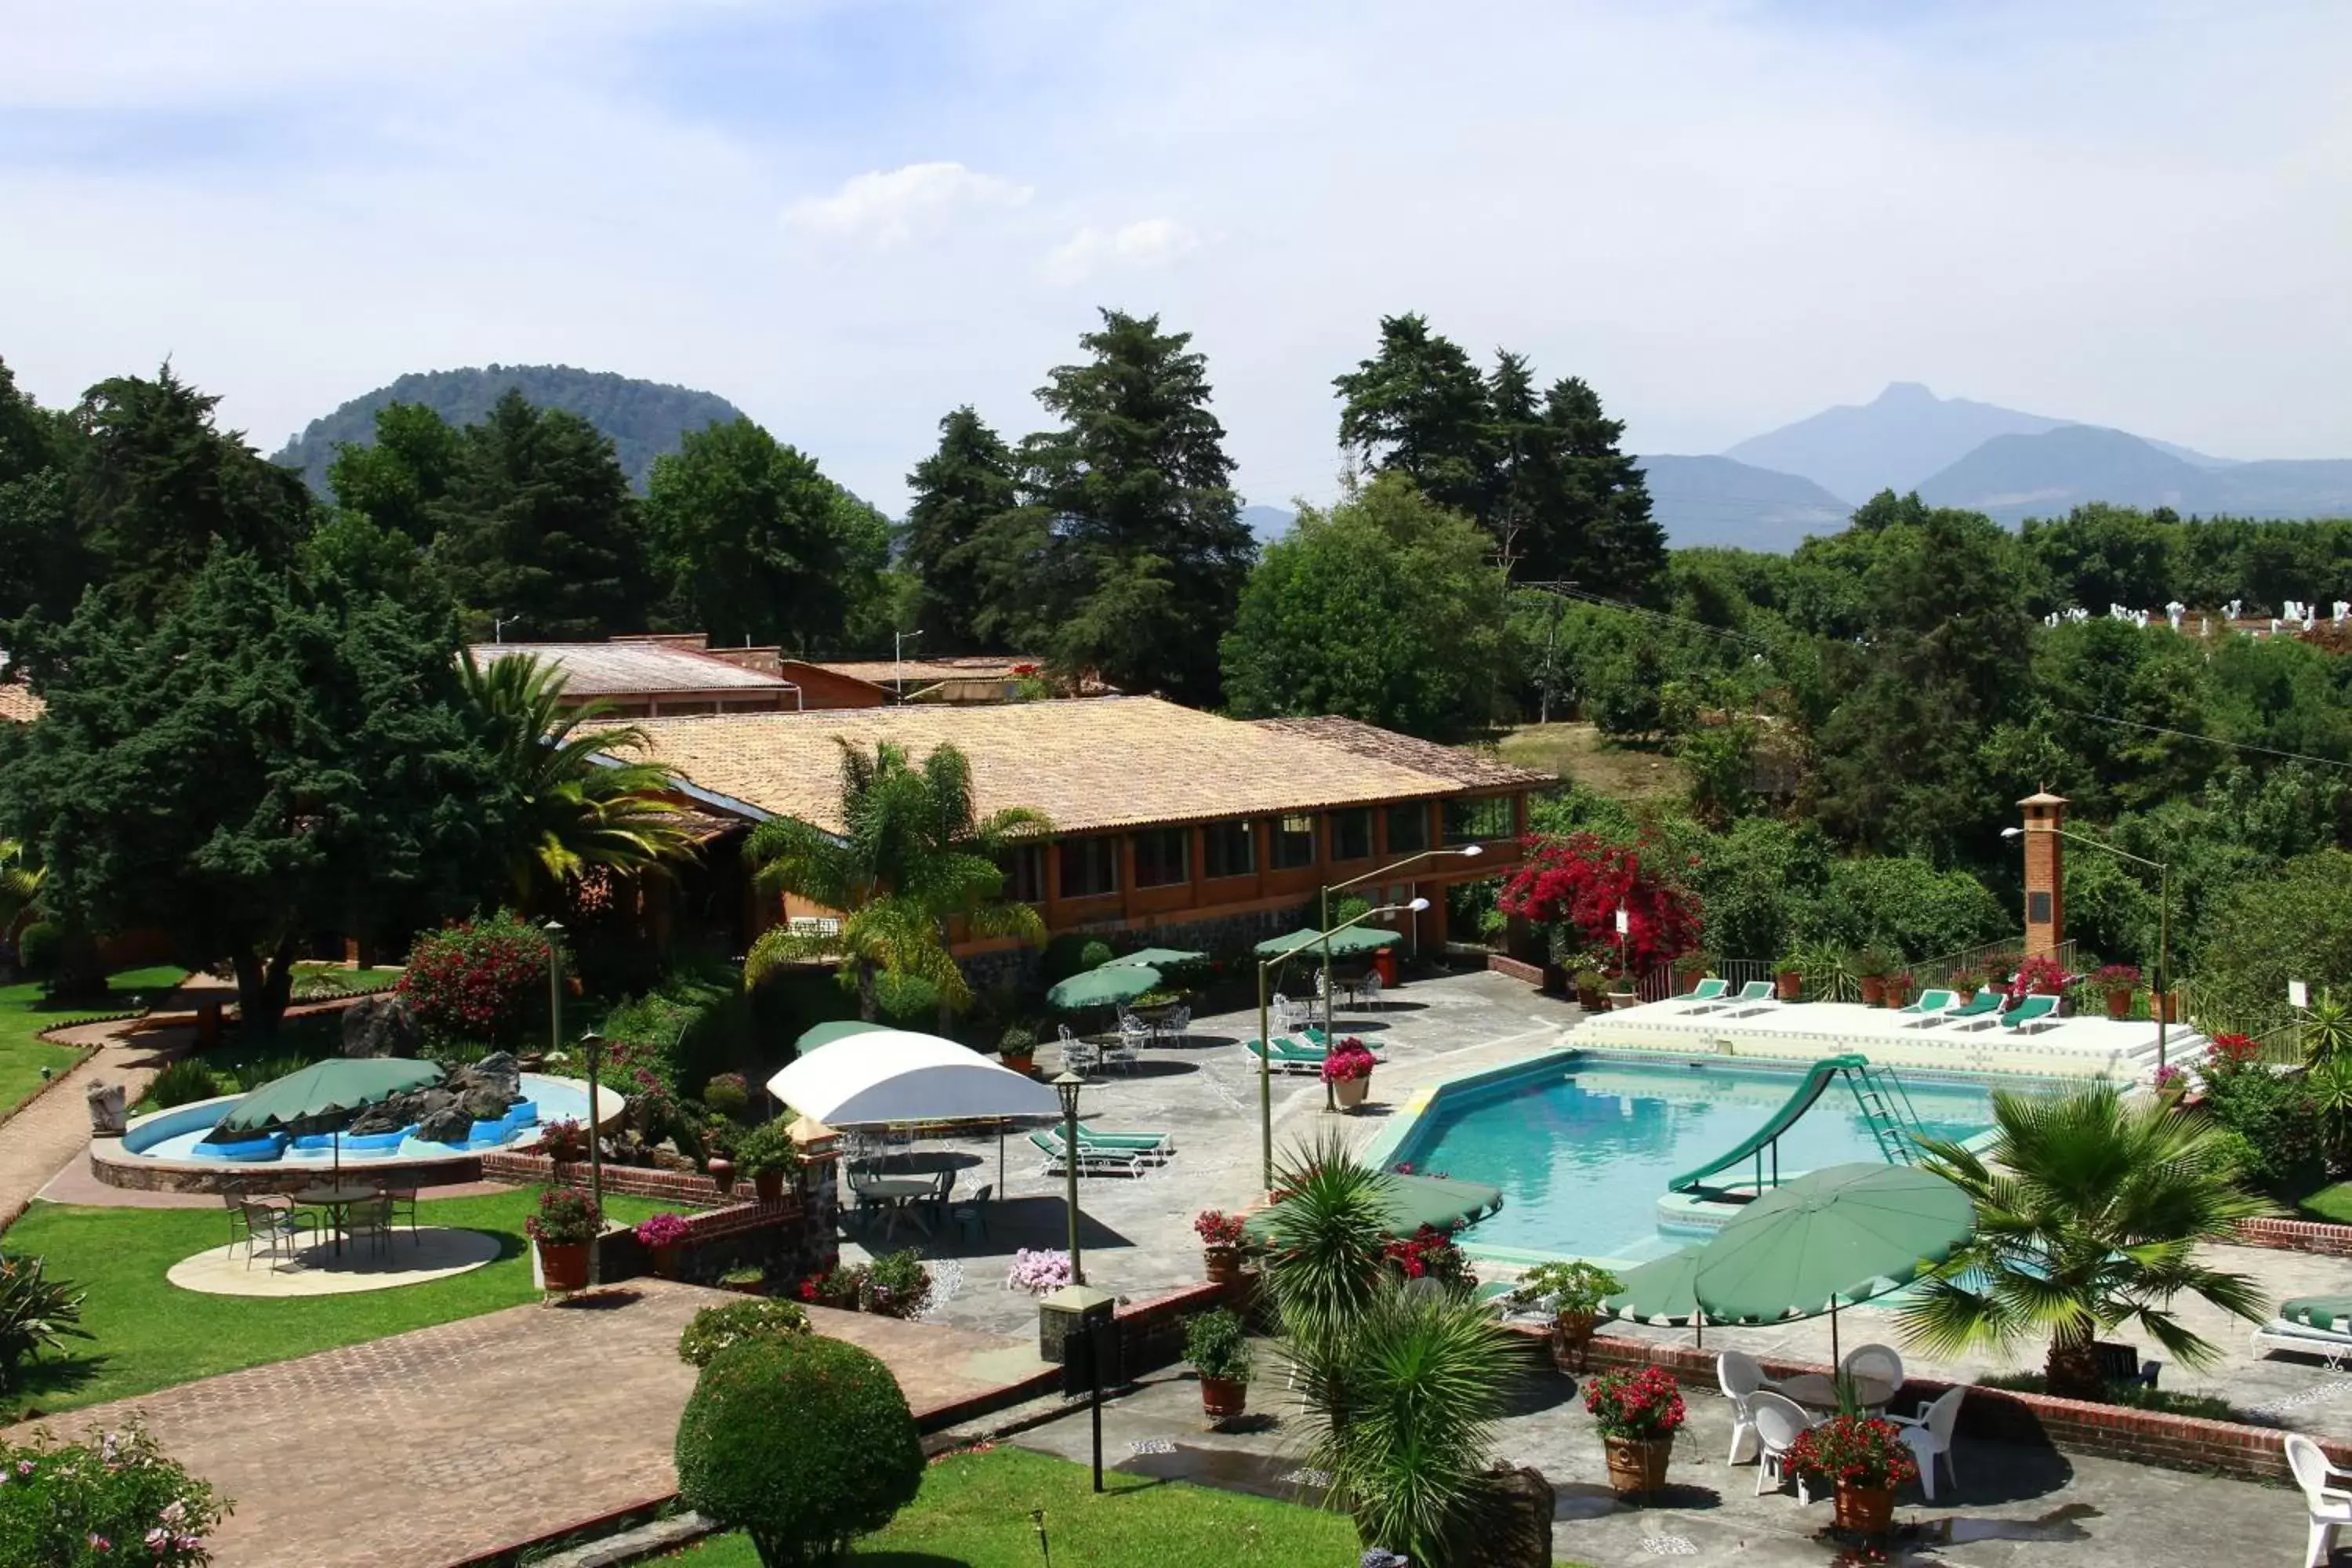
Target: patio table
337,1202
1817,1390
907,1195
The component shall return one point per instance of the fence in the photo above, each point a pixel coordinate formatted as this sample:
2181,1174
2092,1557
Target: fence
1658,984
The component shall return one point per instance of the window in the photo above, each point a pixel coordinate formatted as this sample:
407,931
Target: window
1163,857
1090,866
1294,842
1468,821
1408,827
1025,873
1229,849
1351,834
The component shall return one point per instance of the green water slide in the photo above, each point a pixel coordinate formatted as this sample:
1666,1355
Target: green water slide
1884,1107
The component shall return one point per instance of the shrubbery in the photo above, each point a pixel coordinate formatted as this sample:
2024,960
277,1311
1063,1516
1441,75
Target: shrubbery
184,1082
483,980
717,1329
36,1313
804,1445
112,1498
38,948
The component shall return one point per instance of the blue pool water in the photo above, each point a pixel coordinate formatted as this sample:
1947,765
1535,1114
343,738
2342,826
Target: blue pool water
1583,1151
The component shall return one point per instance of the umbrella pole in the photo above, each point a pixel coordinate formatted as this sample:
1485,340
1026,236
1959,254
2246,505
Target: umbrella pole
1833,1337
1001,1191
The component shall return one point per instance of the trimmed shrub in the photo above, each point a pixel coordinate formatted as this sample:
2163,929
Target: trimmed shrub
804,1445
481,980
113,1497
40,946
728,1095
184,1082
717,1329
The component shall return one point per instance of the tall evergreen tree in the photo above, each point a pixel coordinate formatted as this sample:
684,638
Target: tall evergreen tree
537,522
1523,474
1592,520
43,564
400,480
1419,408
957,491
1132,549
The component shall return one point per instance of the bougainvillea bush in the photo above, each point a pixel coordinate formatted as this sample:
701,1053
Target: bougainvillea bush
1636,1405
481,980
1855,1451
1430,1252
1579,882
112,1498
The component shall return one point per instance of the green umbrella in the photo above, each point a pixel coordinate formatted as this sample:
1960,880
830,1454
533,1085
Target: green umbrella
1410,1202
1842,1234
1349,944
1104,987
341,1083
835,1029
1157,957
1660,1291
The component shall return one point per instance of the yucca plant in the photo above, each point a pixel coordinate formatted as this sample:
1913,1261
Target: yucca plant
1327,1236
2326,1031
1401,1411
2089,1213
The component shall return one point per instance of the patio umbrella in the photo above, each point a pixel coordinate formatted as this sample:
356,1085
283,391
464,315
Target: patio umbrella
341,1083
1104,987
1157,957
836,1029
1662,1291
1410,1202
899,1075
1352,942
1841,1235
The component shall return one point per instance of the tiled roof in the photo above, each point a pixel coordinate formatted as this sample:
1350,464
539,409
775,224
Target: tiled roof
623,669
1087,762
967,666
18,705
1464,767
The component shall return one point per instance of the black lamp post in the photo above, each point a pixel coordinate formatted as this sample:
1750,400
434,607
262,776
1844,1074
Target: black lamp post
1067,1087
592,1044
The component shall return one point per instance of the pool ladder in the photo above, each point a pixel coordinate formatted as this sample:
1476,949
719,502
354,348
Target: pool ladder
1886,1110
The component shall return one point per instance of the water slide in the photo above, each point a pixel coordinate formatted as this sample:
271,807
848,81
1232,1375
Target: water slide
1817,1078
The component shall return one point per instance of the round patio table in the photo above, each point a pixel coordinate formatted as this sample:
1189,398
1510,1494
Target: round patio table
337,1201
1817,1390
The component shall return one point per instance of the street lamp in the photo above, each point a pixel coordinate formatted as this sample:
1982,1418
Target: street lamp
593,1043
2163,921
1266,1041
897,656
1466,852
1067,1087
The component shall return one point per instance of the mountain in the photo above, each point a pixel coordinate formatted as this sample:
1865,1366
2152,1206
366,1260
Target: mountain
1893,442
2011,478
1268,522
643,418
1714,501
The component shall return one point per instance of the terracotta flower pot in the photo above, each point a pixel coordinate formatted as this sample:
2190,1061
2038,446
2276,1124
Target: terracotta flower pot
2119,1003
1224,1265
1789,984
769,1187
1873,991
723,1175
1351,1091
1571,1339
1637,1466
665,1260
1023,1063
1897,994
1222,1398
1590,998
1866,1511
563,1264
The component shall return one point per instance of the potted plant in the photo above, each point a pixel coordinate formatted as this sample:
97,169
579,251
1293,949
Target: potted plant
1218,1347
719,1137
1871,965
563,1140
767,1154
1864,1459
1638,1413
2116,982
1829,972
895,1285
1221,1244
1017,1050
1574,1293
1348,1069
2040,975
1789,976
1621,993
1590,989
1901,988
563,1229
660,1235
1692,967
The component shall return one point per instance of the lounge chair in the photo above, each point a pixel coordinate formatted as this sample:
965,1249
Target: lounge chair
2033,1012
1755,997
2309,1325
1980,1012
1093,1159
1288,1055
1149,1143
1708,990
1923,1012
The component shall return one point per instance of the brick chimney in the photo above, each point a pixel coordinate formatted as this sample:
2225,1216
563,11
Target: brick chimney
2045,895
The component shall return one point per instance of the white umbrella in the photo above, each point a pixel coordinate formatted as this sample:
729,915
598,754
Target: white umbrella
889,1076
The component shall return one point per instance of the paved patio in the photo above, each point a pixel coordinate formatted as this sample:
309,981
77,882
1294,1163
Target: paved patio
432,1446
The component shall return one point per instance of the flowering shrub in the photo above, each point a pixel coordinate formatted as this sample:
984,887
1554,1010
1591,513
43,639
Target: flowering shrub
2231,1051
1348,1060
1430,1254
1038,1271
565,1218
113,1497
481,980
714,1328
662,1230
2040,975
1855,1451
2168,1077
1637,1404
1215,1228
1579,882
2115,976
836,1287
897,1285
566,1139
728,1095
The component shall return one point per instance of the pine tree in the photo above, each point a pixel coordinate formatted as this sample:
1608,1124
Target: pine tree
399,480
1593,522
957,490
1419,408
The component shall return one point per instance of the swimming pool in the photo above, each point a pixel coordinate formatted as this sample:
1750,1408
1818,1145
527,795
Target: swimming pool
1583,1147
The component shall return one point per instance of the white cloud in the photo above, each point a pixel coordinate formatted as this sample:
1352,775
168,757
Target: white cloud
1148,242
891,206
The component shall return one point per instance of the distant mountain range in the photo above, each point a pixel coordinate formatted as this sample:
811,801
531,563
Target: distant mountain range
643,418
1268,522
2012,478
1714,501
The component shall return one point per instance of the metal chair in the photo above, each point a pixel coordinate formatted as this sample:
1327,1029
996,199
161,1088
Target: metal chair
1369,988
370,1220
972,1212
273,1228
403,1204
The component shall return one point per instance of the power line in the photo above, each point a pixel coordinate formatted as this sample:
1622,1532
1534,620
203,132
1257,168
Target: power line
1660,615
2208,740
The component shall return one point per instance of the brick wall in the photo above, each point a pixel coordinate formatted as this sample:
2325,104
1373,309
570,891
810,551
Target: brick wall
2298,1236
690,1187
788,1240
1151,1331
1531,973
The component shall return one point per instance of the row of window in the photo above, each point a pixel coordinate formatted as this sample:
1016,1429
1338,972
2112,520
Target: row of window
1163,856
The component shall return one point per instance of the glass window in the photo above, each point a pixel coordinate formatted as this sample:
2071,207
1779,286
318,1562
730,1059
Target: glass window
1408,827
1163,857
1294,842
1468,821
1025,873
1351,834
1090,866
1229,849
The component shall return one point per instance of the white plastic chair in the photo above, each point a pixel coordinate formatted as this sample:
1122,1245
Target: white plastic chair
1740,1379
1879,1361
1930,1433
1780,1422
1179,1026
1369,988
2331,1507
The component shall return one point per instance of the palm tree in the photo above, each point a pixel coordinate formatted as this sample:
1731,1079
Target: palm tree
912,855
20,884
1329,1235
586,807
2089,1215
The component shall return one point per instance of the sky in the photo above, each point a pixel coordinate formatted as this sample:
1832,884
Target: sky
849,218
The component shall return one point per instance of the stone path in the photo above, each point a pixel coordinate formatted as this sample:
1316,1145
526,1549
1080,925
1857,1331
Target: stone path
432,1446
52,1131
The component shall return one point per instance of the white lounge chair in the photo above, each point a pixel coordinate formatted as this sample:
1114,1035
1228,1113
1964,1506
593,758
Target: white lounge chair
1923,1012
2330,1507
2309,1325
1780,1421
1929,1434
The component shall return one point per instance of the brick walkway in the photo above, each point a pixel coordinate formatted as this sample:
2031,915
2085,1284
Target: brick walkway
432,1446
52,1133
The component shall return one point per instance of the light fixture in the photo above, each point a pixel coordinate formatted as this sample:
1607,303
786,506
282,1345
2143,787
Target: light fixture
1418,905
1471,851
2011,832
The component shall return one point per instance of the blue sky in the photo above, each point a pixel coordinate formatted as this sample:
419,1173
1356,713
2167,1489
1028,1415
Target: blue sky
849,218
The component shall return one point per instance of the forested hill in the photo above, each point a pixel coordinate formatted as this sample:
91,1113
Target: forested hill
642,419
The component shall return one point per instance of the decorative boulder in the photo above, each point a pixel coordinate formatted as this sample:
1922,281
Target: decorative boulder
452,1123
379,1026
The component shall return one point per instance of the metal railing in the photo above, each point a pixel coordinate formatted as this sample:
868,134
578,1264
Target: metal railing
1658,984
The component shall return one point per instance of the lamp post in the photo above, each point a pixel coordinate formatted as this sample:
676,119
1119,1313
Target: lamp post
1466,852
593,1043
2163,922
1266,1041
897,657
1067,1087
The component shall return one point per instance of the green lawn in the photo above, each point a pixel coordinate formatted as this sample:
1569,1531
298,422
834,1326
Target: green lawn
357,982
974,1512
23,1015
151,1334
2332,1203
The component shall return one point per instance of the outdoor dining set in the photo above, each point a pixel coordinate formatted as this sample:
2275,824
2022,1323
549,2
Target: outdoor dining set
1769,1416
284,1227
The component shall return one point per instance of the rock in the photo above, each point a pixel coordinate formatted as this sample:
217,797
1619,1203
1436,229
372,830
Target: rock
379,1026
106,1110
499,1068
450,1124
486,1103
399,1111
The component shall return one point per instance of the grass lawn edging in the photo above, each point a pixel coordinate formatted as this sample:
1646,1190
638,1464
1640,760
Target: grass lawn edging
2004,1416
